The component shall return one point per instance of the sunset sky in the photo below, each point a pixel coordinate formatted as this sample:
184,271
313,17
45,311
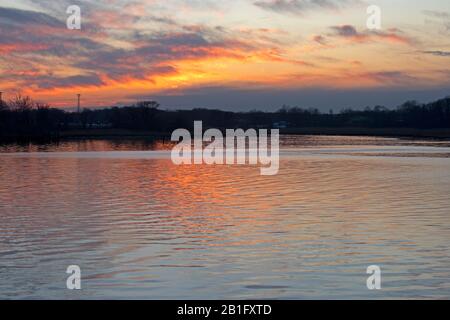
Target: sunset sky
233,54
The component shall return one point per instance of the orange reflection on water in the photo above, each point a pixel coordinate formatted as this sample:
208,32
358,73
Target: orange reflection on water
142,218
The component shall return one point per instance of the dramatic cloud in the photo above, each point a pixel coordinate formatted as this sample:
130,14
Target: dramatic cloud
90,52
128,49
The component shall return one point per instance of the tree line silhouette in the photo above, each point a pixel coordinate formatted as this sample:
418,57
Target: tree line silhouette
23,118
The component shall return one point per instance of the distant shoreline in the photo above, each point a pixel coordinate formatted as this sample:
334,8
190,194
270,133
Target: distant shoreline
349,131
113,134
24,120
443,133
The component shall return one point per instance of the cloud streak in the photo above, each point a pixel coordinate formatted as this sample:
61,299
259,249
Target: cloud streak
349,32
300,7
438,53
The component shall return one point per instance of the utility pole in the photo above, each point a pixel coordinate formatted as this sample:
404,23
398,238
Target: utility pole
2,105
78,106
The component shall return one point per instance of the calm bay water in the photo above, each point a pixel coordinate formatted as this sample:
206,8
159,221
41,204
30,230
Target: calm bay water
141,227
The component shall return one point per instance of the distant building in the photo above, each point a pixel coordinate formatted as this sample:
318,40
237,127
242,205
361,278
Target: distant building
280,125
99,125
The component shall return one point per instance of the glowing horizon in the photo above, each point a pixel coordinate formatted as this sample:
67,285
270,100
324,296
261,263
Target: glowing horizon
144,49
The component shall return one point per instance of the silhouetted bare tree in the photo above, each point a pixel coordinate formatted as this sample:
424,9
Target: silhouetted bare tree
21,103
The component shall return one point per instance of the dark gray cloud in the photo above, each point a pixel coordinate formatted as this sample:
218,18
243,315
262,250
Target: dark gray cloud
437,14
345,31
80,80
320,39
11,16
302,6
351,33
16,26
439,17
394,77
438,53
